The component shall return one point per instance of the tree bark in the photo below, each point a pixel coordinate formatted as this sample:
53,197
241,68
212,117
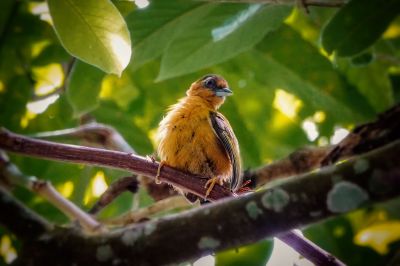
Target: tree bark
231,222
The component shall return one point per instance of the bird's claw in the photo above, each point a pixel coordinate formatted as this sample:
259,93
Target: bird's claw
210,185
157,179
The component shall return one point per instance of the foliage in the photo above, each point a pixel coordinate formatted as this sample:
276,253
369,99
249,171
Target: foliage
296,78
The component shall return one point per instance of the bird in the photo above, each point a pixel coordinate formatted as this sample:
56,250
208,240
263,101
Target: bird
194,137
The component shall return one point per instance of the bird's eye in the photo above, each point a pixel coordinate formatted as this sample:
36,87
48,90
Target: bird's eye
210,83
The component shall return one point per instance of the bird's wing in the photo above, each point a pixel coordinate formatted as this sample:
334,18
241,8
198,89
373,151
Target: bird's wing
228,140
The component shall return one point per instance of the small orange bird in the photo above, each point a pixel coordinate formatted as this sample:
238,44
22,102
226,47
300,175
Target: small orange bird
195,138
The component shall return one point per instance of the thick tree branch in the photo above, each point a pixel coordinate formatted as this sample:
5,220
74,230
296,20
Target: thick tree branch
295,203
127,161
19,220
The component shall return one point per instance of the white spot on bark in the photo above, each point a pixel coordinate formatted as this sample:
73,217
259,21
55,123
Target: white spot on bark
345,196
253,210
149,228
129,237
104,253
207,242
275,199
360,166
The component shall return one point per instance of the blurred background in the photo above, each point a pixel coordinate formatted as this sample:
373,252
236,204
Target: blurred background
301,76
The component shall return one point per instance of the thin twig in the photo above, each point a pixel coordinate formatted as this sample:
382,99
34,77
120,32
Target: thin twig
12,175
128,183
94,133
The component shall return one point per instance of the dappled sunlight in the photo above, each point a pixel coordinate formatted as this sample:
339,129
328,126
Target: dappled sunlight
121,48
142,3
24,122
96,187
7,251
319,117
287,103
41,9
121,90
338,135
66,189
278,121
2,89
310,128
38,107
393,31
379,236
48,78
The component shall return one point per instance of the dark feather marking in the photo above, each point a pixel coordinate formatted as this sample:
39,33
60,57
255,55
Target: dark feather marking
229,143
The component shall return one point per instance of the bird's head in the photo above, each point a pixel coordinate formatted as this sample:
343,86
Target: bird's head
212,88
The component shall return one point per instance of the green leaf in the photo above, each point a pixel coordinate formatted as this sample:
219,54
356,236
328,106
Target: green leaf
358,25
227,31
362,59
93,31
84,87
154,27
251,255
312,68
373,82
6,9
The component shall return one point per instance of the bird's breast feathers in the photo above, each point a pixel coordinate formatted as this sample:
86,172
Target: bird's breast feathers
187,141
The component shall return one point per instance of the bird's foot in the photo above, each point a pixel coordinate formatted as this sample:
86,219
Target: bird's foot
210,184
157,180
244,188
151,157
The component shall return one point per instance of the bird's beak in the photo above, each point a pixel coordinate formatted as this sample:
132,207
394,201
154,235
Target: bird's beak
223,92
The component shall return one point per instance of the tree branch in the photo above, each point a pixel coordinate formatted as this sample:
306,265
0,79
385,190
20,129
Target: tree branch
295,203
19,220
11,175
113,159
127,161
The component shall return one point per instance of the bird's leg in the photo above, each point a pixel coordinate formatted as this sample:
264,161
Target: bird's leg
157,180
210,184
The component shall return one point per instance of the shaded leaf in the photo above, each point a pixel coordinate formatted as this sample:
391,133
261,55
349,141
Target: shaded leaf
84,87
362,59
98,34
372,81
155,27
313,68
251,255
358,25
225,32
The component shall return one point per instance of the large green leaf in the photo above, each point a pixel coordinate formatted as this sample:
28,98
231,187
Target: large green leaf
84,87
153,28
251,255
93,31
358,25
313,68
372,81
225,32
